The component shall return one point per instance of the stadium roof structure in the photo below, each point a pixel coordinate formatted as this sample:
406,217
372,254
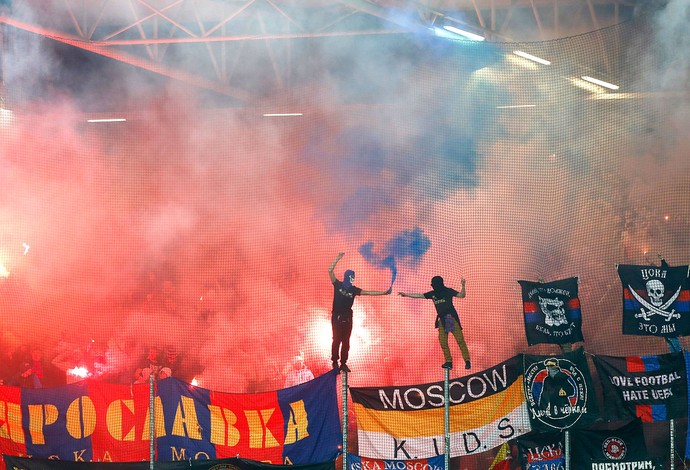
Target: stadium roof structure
242,49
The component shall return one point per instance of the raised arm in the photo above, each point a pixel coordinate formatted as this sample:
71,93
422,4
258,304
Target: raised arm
332,266
461,294
414,296
377,292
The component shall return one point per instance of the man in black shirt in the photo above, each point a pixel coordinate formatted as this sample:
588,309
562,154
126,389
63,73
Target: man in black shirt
447,320
344,293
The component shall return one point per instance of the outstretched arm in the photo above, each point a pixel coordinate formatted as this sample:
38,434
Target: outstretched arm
461,294
332,266
415,296
377,292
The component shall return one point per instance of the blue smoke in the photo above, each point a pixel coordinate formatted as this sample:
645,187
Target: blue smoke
406,246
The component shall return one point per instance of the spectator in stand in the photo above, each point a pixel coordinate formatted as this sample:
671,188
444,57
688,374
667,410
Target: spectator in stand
20,356
72,364
43,370
299,372
117,362
164,373
24,378
5,363
172,360
150,364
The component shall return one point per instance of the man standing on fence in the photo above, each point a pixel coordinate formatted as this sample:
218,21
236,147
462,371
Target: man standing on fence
447,320
344,293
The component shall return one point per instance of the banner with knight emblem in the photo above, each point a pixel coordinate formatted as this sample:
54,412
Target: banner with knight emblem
652,388
542,451
656,300
552,311
559,391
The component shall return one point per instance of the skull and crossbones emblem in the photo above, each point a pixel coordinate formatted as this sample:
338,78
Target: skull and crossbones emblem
656,304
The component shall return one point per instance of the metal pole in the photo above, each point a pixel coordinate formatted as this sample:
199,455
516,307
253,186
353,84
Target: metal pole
446,418
673,346
672,447
567,449
345,421
152,423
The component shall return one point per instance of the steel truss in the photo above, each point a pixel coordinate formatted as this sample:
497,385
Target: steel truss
212,44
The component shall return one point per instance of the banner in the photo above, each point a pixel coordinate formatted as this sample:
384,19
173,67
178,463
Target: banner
356,462
407,423
652,388
23,463
87,421
551,311
594,449
559,391
543,451
656,300
502,459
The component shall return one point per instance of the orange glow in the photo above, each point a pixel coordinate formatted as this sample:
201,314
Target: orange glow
360,339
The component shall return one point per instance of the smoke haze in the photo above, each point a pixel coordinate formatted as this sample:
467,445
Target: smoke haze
212,228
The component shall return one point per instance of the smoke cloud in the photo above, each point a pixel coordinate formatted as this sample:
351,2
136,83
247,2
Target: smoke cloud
212,228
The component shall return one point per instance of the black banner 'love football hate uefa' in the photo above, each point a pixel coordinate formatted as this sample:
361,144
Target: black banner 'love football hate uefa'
656,300
23,463
589,448
552,311
652,388
558,390
542,451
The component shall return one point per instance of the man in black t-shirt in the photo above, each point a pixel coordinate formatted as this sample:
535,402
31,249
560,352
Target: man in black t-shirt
447,320
344,293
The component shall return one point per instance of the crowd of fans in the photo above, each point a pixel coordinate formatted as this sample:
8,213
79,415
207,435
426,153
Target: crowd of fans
69,360
29,366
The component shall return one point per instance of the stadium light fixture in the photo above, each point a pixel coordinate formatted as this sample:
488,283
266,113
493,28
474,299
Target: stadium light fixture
596,81
516,106
463,33
531,57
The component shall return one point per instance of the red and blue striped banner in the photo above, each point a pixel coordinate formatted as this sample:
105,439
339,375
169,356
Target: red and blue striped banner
90,422
552,311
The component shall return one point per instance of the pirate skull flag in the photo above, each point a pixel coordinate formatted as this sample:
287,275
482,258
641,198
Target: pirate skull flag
656,300
552,311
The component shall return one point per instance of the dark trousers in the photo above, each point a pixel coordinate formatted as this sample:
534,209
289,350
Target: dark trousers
341,341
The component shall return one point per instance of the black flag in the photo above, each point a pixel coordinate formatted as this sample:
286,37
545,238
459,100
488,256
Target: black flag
590,448
652,388
559,391
552,311
656,300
